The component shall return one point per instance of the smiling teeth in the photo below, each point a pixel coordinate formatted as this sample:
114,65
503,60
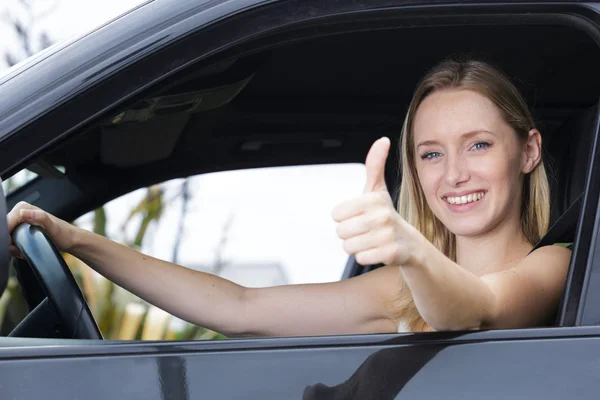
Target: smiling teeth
466,199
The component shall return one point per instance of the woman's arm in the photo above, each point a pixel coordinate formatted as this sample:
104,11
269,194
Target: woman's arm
364,304
358,305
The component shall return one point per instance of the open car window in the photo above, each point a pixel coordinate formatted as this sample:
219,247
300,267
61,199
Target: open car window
256,227
254,94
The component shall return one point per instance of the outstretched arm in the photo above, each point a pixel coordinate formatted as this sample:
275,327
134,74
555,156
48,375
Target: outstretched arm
358,305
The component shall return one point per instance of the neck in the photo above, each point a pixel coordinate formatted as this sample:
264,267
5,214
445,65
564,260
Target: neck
498,249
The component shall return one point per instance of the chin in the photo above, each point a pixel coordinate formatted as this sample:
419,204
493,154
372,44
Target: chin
467,231
467,228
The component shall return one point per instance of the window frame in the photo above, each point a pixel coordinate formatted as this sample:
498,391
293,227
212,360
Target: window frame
581,306
198,45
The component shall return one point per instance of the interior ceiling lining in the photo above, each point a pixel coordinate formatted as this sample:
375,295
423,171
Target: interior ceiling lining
359,83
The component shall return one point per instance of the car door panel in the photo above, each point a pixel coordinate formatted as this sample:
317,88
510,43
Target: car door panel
398,368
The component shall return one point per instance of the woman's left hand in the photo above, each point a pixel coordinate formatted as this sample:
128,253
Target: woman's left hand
370,226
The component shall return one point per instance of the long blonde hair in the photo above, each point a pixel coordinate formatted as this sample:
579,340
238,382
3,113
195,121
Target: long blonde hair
479,77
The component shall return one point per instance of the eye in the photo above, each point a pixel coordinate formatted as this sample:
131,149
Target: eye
430,155
481,145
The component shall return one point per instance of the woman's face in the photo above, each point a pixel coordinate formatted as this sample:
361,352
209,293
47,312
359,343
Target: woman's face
469,161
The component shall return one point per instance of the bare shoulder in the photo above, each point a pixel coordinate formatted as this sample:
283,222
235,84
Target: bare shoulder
542,263
538,281
554,255
545,264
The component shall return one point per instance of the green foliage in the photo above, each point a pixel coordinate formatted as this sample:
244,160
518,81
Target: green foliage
100,221
150,209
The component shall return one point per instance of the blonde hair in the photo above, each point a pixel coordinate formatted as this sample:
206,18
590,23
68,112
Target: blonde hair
479,77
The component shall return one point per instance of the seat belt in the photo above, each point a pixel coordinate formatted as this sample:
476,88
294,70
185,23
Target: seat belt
563,230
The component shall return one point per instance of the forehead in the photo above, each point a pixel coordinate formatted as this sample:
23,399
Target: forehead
447,114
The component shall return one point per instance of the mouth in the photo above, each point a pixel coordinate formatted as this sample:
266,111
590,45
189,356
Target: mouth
464,199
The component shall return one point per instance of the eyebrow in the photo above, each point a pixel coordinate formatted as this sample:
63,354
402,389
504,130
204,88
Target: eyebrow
462,136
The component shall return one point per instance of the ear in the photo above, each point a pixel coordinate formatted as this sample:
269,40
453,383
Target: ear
532,151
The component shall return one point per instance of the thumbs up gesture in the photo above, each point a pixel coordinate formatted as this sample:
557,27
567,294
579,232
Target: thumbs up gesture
369,225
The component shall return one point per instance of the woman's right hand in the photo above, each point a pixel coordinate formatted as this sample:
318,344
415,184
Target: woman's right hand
60,232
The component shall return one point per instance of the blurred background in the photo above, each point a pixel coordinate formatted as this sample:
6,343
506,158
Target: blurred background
258,227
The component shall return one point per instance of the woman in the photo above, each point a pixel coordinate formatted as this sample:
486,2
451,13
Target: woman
473,201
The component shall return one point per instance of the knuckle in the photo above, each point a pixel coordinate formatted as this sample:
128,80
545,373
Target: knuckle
391,211
388,216
383,218
387,235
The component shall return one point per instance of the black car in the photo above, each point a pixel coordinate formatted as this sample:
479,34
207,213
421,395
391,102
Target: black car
236,84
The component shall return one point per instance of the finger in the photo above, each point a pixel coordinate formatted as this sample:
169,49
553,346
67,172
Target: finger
378,255
352,227
359,244
14,216
375,165
371,240
34,217
381,217
349,209
368,202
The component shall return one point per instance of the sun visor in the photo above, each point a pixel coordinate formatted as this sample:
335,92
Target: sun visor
148,131
191,101
129,145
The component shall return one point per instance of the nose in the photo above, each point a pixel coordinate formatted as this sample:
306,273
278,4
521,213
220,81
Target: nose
457,171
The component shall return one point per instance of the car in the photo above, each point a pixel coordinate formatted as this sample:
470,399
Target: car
180,88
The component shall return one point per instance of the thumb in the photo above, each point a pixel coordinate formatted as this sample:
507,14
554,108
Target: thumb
375,165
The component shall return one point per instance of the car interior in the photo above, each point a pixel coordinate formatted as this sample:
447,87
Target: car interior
316,100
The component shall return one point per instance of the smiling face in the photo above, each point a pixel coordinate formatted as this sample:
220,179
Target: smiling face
469,161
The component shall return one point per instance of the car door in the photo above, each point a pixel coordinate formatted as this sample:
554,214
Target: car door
554,362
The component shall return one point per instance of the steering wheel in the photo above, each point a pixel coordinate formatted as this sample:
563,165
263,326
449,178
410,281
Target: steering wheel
64,298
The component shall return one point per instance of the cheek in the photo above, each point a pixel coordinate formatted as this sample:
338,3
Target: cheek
430,177
501,169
